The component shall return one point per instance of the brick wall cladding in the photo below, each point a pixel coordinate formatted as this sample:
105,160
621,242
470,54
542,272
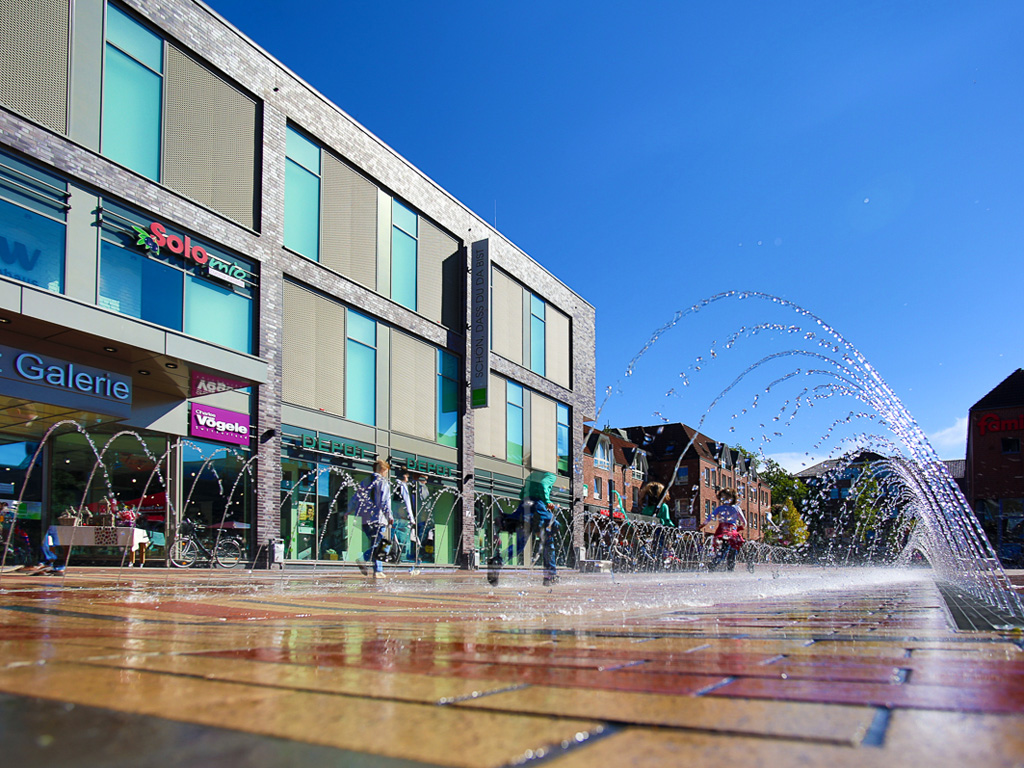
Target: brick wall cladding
284,96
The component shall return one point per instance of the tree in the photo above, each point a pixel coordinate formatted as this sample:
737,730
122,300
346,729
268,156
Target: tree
790,530
783,485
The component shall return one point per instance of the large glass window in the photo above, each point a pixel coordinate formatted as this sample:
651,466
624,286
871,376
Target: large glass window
514,423
147,275
132,94
404,234
361,368
33,207
562,437
447,399
302,195
138,286
537,346
218,314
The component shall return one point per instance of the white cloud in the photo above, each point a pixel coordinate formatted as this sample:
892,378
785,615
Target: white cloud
793,462
951,442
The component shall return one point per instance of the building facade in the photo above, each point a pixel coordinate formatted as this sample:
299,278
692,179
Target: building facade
994,470
222,298
695,468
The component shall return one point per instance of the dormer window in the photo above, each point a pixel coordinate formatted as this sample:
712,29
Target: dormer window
602,458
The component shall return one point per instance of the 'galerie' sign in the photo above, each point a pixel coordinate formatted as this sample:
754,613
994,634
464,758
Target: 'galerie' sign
46,379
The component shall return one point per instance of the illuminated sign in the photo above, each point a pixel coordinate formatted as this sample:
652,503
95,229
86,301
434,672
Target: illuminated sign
991,422
183,246
46,379
479,324
219,424
426,466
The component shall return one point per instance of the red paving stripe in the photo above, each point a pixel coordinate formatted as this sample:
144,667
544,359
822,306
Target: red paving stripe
949,698
212,609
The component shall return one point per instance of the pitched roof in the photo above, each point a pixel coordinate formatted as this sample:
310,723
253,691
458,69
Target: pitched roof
957,468
1007,394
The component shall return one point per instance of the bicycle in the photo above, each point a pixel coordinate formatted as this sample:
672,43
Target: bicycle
188,546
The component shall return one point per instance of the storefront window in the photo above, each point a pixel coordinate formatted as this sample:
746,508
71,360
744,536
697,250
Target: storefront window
88,471
217,486
33,207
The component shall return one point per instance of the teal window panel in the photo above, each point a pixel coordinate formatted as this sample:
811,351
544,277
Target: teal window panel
537,346
137,286
537,306
514,393
562,437
301,210
217,314
132,104
449,366
514,434
135,39
404,218
31,248
361,328
360,382
302,151
403,268
447,400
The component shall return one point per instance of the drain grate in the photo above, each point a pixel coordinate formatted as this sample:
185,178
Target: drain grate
970,613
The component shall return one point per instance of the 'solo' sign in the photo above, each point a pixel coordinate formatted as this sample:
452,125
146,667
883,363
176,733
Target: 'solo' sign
218,424
479,339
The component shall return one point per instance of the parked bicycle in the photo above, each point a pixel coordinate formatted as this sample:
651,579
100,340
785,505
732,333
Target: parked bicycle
193,543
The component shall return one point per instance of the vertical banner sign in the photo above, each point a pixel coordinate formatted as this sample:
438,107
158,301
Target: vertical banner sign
480,337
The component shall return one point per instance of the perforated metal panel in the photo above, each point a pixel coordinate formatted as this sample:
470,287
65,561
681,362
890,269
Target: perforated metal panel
313,351
558,347
435,247
543,443
209,139
349,223
413,386
34,60
507,317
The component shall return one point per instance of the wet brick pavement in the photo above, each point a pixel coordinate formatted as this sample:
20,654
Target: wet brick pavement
173,668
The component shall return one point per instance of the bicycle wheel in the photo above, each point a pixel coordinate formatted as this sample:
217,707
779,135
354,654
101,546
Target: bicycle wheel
183,552
227,553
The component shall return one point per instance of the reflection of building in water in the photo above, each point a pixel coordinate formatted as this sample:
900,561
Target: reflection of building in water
197,247
994,472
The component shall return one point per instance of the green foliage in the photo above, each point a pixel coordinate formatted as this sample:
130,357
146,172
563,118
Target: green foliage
783,485
790,529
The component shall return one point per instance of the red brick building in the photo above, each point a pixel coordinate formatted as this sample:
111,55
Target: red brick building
995,472
614,469
706,467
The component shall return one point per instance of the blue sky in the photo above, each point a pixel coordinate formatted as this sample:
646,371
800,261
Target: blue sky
862,160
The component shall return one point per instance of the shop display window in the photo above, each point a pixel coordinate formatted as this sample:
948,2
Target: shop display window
217,486
89,471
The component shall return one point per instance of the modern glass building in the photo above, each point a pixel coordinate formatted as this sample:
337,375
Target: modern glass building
222,299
